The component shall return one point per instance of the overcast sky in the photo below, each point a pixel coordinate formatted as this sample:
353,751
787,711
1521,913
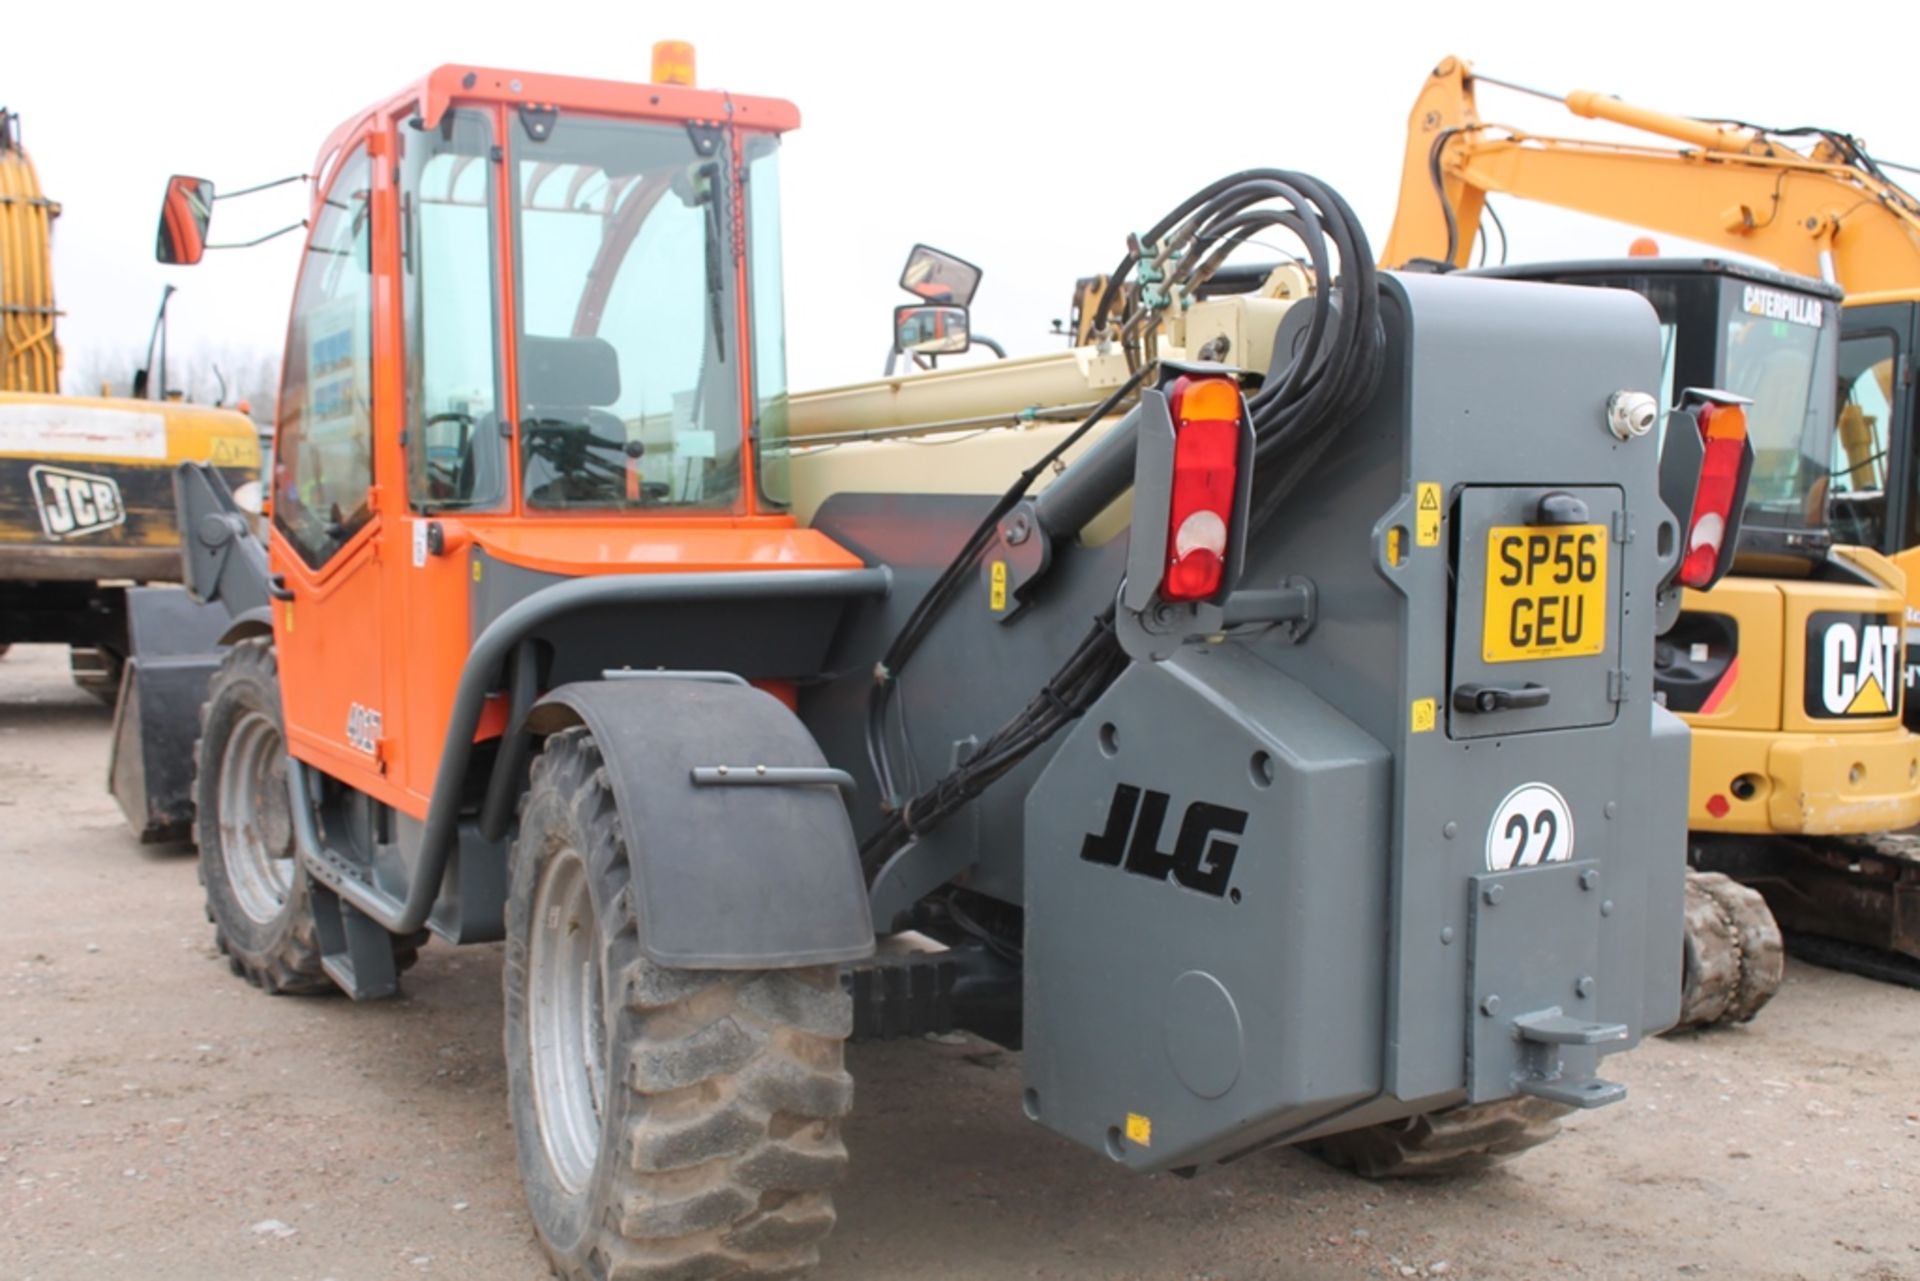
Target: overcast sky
1028,137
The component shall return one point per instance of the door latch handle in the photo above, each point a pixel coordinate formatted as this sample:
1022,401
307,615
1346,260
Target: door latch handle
1499,698
277,587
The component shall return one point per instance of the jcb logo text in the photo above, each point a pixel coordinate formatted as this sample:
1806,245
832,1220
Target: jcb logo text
73,503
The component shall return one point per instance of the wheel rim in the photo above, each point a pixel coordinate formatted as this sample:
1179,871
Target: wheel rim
256,819
567,1020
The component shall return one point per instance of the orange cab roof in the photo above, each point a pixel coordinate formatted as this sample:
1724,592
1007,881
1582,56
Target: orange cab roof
442,87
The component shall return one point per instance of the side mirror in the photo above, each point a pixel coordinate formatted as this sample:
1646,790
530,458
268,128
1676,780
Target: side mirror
184,216
930,331
940,277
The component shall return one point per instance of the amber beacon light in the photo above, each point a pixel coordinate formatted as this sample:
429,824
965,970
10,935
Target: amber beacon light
673,63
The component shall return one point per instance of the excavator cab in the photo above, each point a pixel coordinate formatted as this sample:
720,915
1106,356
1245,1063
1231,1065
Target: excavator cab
1758,333
1775,338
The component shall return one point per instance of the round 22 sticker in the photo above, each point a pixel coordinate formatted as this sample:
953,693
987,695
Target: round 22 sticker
1532,826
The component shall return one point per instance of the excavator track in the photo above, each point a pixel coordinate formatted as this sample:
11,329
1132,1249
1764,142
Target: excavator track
1849,903
1854,958
1859,911
1735,957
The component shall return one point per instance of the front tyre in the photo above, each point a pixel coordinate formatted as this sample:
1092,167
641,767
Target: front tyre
671,1124
257,896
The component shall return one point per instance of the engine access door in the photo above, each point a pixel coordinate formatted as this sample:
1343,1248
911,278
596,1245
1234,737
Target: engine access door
1536,609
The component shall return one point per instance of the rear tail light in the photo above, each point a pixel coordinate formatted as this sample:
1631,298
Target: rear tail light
1206,476
1723,433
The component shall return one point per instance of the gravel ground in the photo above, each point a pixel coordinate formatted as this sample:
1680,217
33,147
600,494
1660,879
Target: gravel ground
159,1118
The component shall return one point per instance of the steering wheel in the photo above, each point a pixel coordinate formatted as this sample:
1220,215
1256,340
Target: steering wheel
568,434
444,478
580,454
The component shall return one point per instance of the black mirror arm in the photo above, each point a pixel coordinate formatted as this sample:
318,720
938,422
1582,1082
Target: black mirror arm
265,186
261,240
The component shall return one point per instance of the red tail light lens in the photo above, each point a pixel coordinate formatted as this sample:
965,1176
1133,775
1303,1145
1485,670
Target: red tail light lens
1206,462
1724,429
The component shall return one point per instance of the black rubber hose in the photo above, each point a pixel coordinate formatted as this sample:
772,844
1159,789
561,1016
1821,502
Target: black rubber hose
1296,417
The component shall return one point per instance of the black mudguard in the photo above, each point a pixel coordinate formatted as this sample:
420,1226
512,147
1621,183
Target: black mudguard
725,876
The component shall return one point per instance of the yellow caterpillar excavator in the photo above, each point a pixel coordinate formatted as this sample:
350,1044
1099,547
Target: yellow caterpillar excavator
1790,671
86,516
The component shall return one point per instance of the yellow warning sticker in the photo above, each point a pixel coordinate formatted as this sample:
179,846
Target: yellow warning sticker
1139,1129
1423,713
476,570
289,617
1394,551
997,586
1426,515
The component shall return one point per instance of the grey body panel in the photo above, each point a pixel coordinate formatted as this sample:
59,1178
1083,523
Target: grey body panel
971,674
221,557
1191,1009
1341,987
758,639
724,877
1489,384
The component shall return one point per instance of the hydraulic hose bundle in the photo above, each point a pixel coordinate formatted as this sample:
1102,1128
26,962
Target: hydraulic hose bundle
1332,374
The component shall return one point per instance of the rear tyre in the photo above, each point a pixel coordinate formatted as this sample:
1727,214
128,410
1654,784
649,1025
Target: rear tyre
258,895
671,1124
1457,1140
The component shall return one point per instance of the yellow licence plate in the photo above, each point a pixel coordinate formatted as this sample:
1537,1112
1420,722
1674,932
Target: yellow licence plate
1546,592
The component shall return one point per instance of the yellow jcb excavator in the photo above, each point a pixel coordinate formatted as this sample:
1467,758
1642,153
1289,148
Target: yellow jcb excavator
86,517
1790,671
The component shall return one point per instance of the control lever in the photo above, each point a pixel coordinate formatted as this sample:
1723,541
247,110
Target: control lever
1499,698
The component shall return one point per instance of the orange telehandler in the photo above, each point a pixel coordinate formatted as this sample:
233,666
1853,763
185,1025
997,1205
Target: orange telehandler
1789,735
1111,672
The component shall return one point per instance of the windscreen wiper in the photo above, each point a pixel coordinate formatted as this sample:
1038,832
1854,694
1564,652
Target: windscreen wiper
714,233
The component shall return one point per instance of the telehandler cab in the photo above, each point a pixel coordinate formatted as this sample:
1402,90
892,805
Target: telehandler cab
1268,749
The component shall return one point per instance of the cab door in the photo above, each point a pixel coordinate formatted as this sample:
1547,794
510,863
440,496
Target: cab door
326,524
1875,494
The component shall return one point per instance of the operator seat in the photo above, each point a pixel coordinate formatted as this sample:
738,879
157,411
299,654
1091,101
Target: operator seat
566,386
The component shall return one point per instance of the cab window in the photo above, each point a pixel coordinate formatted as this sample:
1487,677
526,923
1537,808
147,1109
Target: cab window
323,455
629,380
456,458
1858,478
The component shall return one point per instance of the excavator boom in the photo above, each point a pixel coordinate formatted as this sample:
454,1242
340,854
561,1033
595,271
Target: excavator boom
29,358
1828,211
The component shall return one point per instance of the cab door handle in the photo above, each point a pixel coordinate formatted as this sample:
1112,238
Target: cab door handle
1499,698
277,587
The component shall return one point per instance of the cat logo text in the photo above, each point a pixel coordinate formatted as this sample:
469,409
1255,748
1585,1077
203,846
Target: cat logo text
1853,665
